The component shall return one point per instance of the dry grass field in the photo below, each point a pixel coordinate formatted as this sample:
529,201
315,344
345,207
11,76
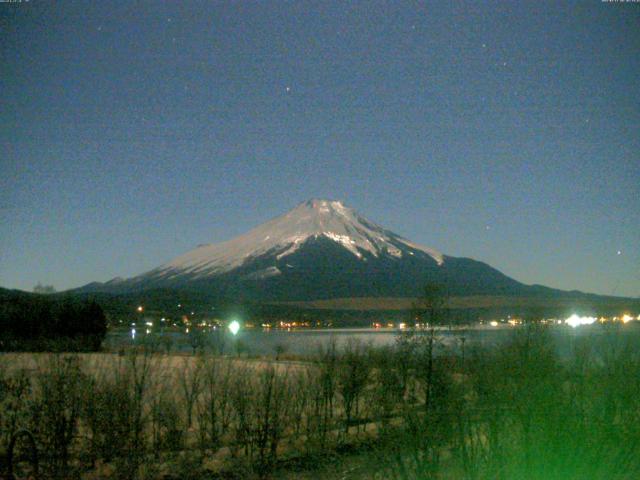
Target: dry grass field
400,413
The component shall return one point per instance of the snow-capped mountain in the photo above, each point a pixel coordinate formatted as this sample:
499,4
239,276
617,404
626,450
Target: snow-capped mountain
284,235
320,249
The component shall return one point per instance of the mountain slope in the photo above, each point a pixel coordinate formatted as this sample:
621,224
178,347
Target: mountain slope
319,250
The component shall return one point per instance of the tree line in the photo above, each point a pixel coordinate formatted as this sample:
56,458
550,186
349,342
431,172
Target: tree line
39,323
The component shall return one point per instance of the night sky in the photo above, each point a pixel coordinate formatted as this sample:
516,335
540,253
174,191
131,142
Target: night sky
506,132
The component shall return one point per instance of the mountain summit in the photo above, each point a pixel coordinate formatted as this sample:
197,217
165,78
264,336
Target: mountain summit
320,249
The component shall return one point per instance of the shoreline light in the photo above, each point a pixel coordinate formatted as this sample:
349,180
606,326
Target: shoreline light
575,321
234,327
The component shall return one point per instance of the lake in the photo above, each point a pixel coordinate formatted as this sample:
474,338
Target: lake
308,341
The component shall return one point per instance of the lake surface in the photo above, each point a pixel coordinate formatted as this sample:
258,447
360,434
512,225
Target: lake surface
309,341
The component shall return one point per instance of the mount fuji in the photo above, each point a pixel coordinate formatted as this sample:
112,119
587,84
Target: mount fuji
321,249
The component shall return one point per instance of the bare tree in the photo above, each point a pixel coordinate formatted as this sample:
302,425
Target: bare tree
190,381
215,404
352,378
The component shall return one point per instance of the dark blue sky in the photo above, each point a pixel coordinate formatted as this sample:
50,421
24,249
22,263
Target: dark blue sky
505,132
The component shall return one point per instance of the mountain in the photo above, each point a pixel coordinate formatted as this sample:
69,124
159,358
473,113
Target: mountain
319,250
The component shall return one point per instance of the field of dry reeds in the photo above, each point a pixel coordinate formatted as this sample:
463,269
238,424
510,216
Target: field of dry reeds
516,411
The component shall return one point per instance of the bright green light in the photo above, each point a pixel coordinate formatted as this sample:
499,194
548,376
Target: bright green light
234,327
575,321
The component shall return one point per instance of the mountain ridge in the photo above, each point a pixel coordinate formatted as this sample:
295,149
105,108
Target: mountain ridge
319,250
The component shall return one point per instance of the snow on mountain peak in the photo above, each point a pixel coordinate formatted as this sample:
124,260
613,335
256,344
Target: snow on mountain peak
285,234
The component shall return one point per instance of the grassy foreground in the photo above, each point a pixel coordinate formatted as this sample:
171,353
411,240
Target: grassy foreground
514,412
